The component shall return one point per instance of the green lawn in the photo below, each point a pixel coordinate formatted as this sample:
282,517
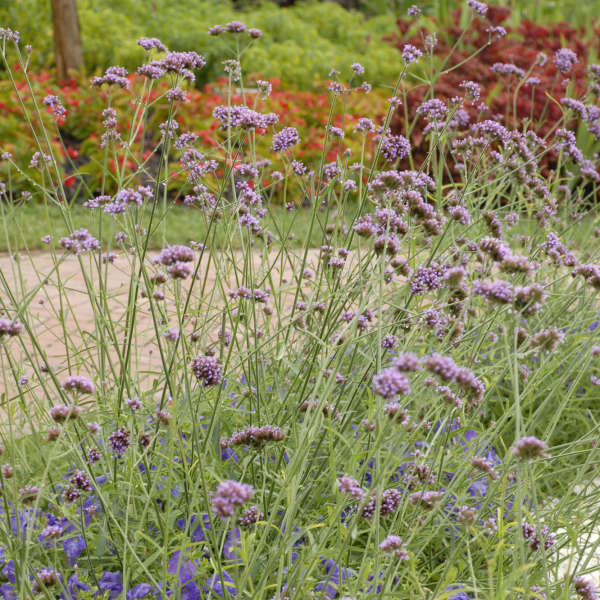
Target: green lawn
24,226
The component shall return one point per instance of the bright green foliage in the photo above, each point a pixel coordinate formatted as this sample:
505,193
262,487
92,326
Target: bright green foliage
301,43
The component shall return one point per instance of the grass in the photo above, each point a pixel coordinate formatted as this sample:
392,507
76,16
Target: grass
25,224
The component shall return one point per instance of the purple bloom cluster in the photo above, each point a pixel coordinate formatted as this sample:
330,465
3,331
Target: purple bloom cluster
207,370
80,241
113,76
243,117
390,382
178,63
564,59
285,139
230,495
253,436
10,328
394,543
119,441
151,44
78,383
530,447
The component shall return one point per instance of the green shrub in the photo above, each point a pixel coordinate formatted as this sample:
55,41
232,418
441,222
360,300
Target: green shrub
301,43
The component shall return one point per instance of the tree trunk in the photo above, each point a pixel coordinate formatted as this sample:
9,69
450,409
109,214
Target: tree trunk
67,39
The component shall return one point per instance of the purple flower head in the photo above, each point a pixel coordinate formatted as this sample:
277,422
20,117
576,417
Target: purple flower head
207,370
394,543
285,139
410,54
254,436
390,382
55,105
80,241
119,441
479,7
113,76
407,363
151,43
243,117
426,278
507,69
181,63
530,447
28,494
9,34
348,485
585,588
427,499
357,68
414,11
433,110
174,254
78,383
395,147
10,328
564,59
390,500
216,30
63,412
39,159
229,495
235,27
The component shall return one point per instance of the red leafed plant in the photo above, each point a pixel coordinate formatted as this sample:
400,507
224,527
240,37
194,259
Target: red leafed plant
530,98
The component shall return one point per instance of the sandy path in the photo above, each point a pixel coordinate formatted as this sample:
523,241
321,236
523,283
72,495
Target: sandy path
63,320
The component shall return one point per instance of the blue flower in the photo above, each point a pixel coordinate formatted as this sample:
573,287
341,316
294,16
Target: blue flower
139,591
214,585
232,543
74,586
182,567
7,591
198,533
459,595
73,548
111,582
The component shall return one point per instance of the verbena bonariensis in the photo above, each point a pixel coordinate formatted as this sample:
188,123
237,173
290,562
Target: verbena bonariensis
408,397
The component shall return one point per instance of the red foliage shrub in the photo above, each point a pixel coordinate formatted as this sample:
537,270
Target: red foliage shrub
513,100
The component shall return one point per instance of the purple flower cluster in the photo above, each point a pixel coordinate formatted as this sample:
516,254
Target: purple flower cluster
55,105
564,59
10,328
285,139
394,543
253,436
151,44
79,384
178,63
113,76
80,241
207,370
390,383
230,495
63,412
395,147
119,441
529,447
